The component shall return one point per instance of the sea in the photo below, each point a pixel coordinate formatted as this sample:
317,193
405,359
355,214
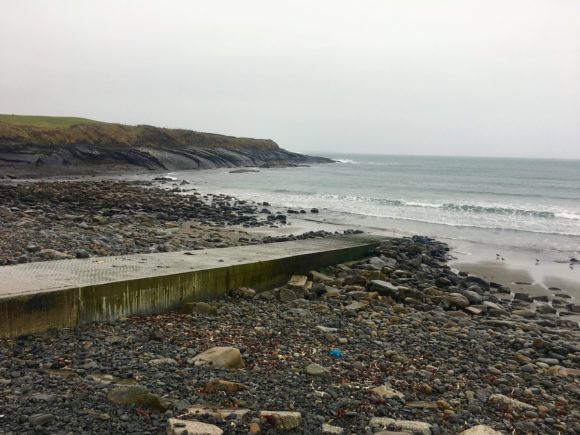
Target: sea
531,204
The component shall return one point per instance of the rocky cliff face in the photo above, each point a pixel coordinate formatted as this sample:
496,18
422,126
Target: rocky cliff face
98,148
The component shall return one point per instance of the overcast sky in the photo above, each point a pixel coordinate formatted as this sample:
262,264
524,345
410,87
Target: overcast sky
456,77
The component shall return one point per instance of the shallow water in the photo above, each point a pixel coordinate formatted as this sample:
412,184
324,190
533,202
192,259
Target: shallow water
516,203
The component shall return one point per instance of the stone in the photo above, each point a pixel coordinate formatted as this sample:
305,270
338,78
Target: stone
319,277
384,288
136,395
215,385
377,262
480,430
40,419
474,310
287,295
563,371
473,297
317,370
385,392
331,430
510,403
528,314
298,281
356,306
549,361
455,300
51,254
523,297
244,292
191,427
283,420
331,292
414,427
217,413
421,404
221,357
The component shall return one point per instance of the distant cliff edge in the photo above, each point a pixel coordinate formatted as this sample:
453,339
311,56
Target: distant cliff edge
44,146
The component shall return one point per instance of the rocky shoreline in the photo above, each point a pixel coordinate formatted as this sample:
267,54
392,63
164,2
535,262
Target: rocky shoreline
57,220
54,147
394,343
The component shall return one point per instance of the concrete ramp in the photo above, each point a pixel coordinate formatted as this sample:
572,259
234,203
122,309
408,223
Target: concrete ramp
55,294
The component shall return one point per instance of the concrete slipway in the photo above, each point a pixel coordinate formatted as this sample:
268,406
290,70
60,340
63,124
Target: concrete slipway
55,294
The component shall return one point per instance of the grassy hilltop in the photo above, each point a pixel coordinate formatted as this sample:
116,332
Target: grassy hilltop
63,131
46,121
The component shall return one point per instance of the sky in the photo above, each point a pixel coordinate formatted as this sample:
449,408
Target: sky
446,77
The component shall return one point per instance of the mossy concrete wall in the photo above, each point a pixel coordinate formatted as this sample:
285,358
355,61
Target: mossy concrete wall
68,307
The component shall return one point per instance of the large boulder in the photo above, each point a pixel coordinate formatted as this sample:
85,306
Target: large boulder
221,357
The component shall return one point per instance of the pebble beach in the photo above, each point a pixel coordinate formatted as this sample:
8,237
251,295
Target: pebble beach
393,343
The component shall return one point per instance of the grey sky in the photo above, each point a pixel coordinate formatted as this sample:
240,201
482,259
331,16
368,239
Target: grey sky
461,77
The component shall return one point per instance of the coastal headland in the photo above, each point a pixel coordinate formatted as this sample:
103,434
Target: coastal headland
398,340
37,146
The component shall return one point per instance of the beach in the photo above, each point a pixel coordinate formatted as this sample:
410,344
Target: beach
422,336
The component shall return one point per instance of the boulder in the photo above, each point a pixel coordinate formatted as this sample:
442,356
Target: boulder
221,357
455,300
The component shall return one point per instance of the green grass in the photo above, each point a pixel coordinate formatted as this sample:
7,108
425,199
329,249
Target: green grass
46,121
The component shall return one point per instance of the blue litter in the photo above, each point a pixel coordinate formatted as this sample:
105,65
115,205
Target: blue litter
335,353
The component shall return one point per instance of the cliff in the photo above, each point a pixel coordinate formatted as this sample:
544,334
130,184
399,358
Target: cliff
41,146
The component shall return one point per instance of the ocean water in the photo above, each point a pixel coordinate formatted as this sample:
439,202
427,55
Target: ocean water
520,203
